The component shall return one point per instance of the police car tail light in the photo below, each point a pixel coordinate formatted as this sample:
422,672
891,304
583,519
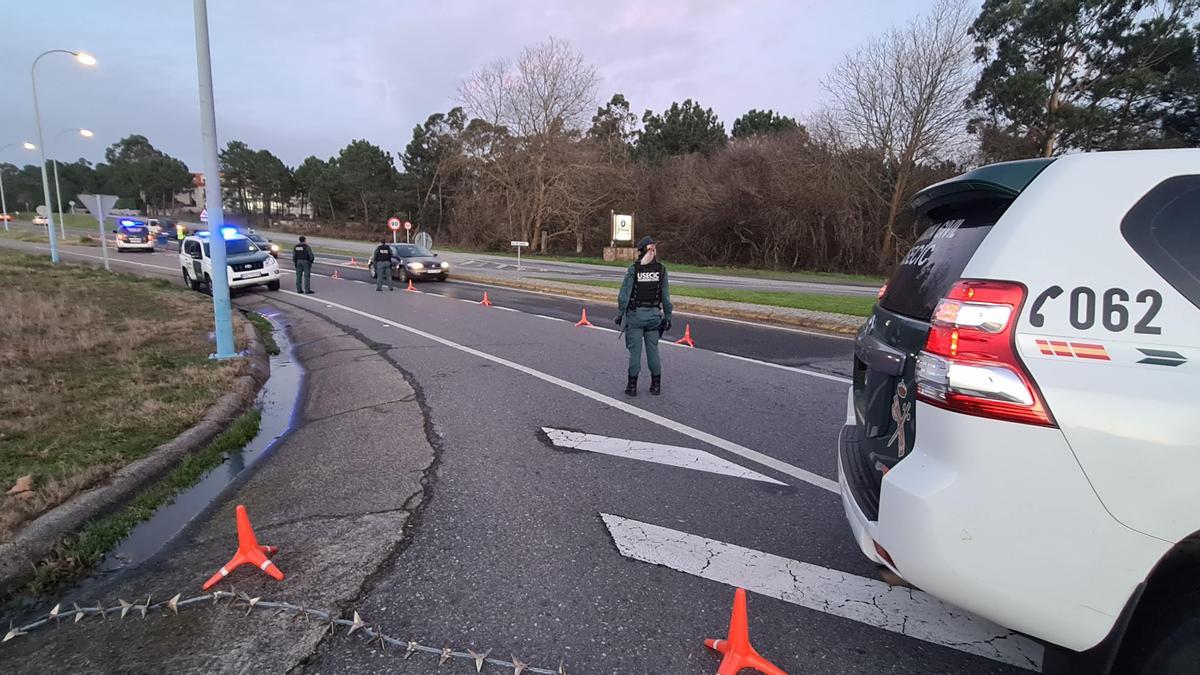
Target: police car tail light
970,364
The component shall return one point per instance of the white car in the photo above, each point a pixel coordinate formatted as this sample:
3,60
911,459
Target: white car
133,235
246,264
1023,432
40,220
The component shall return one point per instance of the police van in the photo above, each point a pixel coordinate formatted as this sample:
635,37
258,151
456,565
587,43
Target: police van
1020,435
133,235
246,264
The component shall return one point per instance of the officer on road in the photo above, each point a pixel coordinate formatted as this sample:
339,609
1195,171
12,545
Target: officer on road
302,260
381,262
645,299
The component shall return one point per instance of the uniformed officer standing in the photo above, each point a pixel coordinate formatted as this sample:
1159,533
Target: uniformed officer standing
644,306
302,260
381,261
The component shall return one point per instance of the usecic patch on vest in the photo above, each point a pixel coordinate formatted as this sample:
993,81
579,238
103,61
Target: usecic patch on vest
647,276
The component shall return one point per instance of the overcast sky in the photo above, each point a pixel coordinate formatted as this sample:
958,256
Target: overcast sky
305,77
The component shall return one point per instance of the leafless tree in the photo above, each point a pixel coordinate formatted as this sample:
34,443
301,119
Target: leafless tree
550,86
541,101
902,94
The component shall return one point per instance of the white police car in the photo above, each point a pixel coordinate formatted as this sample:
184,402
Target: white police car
1021,435
133,235
246,264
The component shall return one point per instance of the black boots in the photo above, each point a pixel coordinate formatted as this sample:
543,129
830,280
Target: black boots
631,388
655,385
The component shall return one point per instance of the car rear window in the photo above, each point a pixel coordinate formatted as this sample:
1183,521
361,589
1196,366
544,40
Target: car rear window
135,230
1164,229
952,233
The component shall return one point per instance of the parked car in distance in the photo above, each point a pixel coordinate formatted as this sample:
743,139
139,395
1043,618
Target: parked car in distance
265,244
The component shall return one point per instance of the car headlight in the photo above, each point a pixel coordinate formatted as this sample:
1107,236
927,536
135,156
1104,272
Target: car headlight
416,266
445,265
270,262
275,248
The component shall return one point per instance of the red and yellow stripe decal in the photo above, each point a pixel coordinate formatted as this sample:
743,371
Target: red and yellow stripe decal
1076,350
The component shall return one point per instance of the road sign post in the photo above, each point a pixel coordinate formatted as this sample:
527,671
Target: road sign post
407,232
100,205
519,245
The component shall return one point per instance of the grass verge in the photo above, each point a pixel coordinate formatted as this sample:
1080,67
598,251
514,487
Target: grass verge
99,369
77,554
854,305
266,331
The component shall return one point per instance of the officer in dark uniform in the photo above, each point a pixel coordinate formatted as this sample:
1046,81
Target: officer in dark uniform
381,261
644,306
302,260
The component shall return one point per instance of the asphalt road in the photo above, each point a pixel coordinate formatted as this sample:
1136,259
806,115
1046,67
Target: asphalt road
621,556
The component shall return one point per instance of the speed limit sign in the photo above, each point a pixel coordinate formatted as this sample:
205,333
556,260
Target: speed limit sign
394,224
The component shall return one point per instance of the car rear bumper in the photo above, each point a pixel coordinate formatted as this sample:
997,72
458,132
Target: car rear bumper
997,518
143,246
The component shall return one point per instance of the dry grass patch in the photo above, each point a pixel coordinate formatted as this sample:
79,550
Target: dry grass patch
98,369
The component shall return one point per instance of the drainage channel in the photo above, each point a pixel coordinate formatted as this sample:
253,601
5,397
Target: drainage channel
277,401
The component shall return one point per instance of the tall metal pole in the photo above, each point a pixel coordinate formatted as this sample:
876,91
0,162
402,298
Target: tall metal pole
58,195
37,115
222,308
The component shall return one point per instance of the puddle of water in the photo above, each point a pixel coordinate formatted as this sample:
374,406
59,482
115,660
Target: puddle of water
277,400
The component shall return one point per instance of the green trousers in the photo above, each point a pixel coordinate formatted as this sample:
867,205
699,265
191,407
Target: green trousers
303,276
641,327
383,275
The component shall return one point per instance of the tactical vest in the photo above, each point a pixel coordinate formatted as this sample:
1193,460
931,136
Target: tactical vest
383,254
647,285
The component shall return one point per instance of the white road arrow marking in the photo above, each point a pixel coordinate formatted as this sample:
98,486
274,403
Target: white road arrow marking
670,455
875,603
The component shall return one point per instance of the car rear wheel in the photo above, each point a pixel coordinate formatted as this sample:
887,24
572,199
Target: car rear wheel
1168,640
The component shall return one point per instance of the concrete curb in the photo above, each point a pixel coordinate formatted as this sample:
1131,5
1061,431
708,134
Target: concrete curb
39,537
844,324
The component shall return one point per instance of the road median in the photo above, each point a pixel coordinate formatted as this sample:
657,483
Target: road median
791,317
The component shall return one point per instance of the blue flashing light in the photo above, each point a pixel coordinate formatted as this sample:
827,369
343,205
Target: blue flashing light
229,232
125,222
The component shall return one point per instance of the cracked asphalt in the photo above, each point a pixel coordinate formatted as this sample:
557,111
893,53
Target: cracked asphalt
507,550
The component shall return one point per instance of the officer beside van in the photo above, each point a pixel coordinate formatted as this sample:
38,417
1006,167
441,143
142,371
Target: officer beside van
644,306
302,260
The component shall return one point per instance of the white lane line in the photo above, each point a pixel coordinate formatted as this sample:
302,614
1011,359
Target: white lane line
893,608
803,371
552,318
505,309
671,455
702,436
788,329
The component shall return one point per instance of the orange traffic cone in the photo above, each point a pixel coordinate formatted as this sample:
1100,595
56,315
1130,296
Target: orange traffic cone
736,647
352,263
411,287
249,552
486,302
336,275
583,319
687,337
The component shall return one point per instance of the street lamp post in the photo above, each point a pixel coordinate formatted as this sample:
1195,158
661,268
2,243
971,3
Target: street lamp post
86,133
222,308
87,60
3,202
